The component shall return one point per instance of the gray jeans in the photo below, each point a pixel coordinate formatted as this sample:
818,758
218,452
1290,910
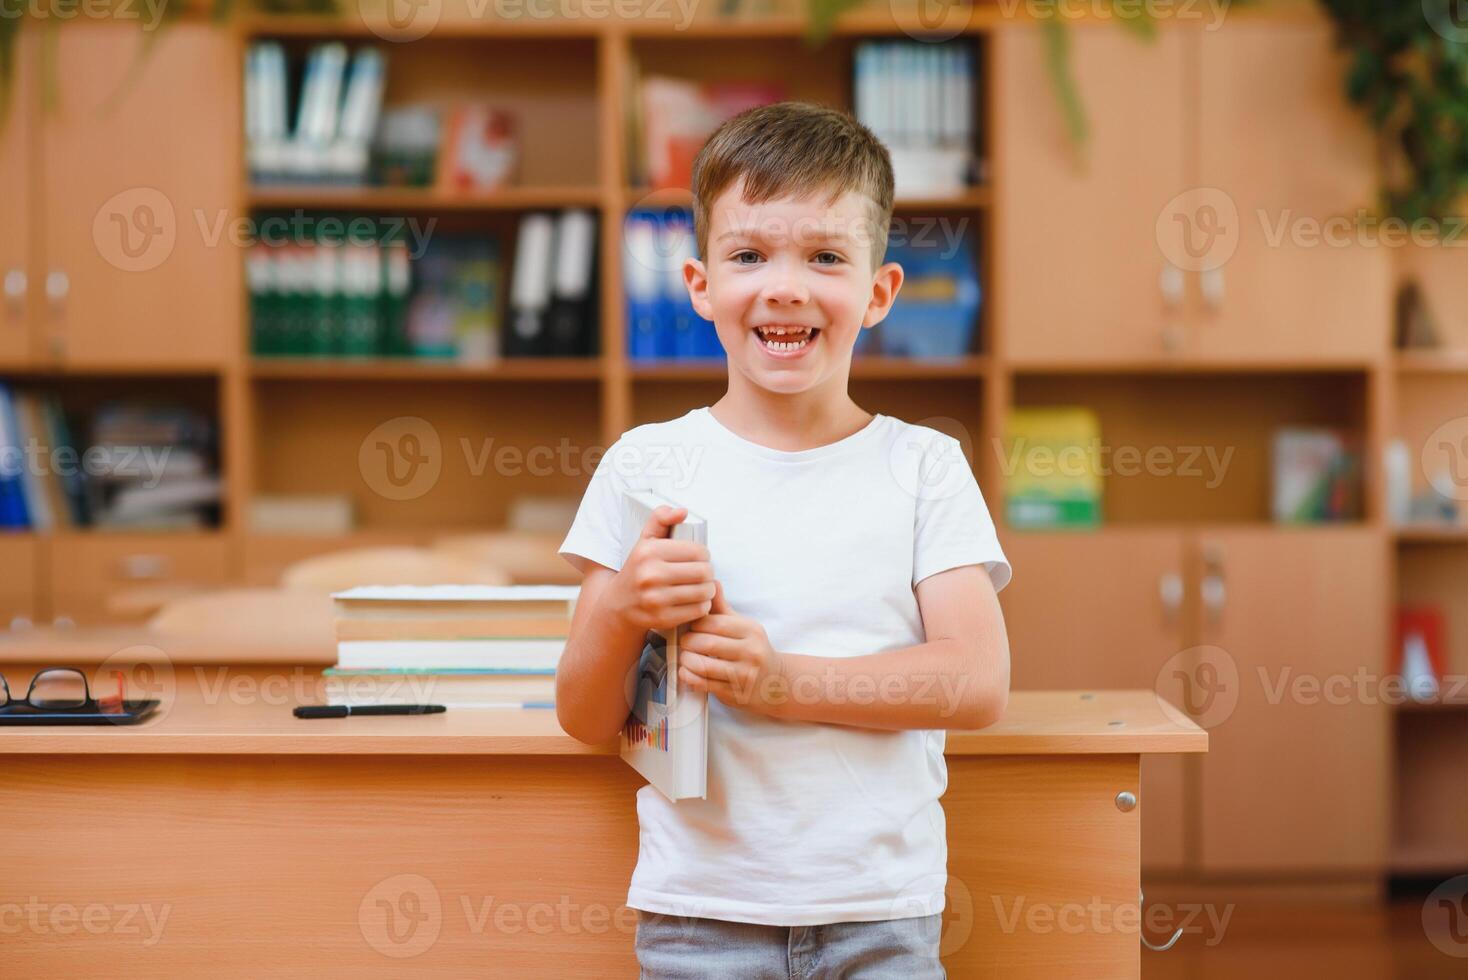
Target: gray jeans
671,947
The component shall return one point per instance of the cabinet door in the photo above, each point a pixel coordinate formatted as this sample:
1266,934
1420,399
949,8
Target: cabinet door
1295,779
140,175
91,571
17,147
1078,265
1103,610
1297,163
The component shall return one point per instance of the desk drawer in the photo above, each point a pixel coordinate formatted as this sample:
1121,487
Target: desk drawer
89,569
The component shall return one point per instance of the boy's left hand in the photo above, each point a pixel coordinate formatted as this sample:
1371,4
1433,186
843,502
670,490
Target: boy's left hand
730,657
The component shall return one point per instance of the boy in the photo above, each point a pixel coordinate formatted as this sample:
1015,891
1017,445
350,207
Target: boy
853,617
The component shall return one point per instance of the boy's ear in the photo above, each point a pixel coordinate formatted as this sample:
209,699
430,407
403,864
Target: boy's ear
696,278
884,290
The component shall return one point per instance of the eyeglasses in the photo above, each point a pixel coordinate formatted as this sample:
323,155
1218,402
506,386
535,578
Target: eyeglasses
59,689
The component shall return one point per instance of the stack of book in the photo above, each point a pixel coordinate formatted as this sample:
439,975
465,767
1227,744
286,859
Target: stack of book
918,99
152,467
460,646
336,114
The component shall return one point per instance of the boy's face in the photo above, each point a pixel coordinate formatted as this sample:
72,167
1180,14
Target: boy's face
789,284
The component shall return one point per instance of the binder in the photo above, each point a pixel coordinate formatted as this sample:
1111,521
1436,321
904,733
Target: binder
680,321
642,284
530,289
571,320
13,512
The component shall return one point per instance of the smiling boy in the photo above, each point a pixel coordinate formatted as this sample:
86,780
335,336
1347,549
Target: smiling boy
843,615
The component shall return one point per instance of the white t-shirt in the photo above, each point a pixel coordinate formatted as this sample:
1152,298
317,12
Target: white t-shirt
805,823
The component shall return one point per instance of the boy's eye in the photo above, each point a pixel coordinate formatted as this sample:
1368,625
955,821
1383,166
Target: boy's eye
740,257
827,258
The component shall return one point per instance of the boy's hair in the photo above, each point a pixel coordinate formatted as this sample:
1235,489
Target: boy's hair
794,149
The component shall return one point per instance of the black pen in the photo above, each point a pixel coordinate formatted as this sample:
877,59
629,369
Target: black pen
346,710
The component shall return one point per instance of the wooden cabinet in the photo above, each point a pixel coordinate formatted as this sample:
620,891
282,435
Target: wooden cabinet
1080,273
17,147
19,598
1212,214
90,568
1296,776
1286,626
139,166
1076,621
1277,135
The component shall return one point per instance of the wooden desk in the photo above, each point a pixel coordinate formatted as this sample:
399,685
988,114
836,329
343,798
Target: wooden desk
228,839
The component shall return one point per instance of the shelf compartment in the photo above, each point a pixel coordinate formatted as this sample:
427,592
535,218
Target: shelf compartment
1217,430
1430,836
308,441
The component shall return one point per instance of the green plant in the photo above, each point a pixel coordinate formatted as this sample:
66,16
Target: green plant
1409,74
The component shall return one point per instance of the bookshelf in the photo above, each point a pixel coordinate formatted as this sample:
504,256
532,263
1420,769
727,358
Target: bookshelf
1071,315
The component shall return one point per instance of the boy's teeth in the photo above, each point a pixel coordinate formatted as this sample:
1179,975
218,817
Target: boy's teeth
785,338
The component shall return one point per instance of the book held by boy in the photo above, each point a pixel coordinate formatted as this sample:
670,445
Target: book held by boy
665,736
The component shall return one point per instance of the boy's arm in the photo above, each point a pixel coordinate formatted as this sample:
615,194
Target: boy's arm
590,703
957,678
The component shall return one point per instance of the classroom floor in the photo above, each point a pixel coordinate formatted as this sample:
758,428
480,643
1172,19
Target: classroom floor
1390,943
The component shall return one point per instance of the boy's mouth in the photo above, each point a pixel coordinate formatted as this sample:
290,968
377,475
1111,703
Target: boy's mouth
786,339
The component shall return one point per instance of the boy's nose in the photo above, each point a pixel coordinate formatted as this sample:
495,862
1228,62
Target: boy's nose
786,290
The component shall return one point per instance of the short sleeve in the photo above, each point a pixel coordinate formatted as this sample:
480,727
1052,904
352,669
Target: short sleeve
953,526
596,533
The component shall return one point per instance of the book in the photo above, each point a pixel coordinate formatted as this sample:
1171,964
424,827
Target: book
436,686
480,149
665,736
471,601
502,654
485,628
1052,468
1316,477
940,303
360,109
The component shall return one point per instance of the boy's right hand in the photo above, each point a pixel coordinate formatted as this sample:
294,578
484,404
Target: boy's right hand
664,583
